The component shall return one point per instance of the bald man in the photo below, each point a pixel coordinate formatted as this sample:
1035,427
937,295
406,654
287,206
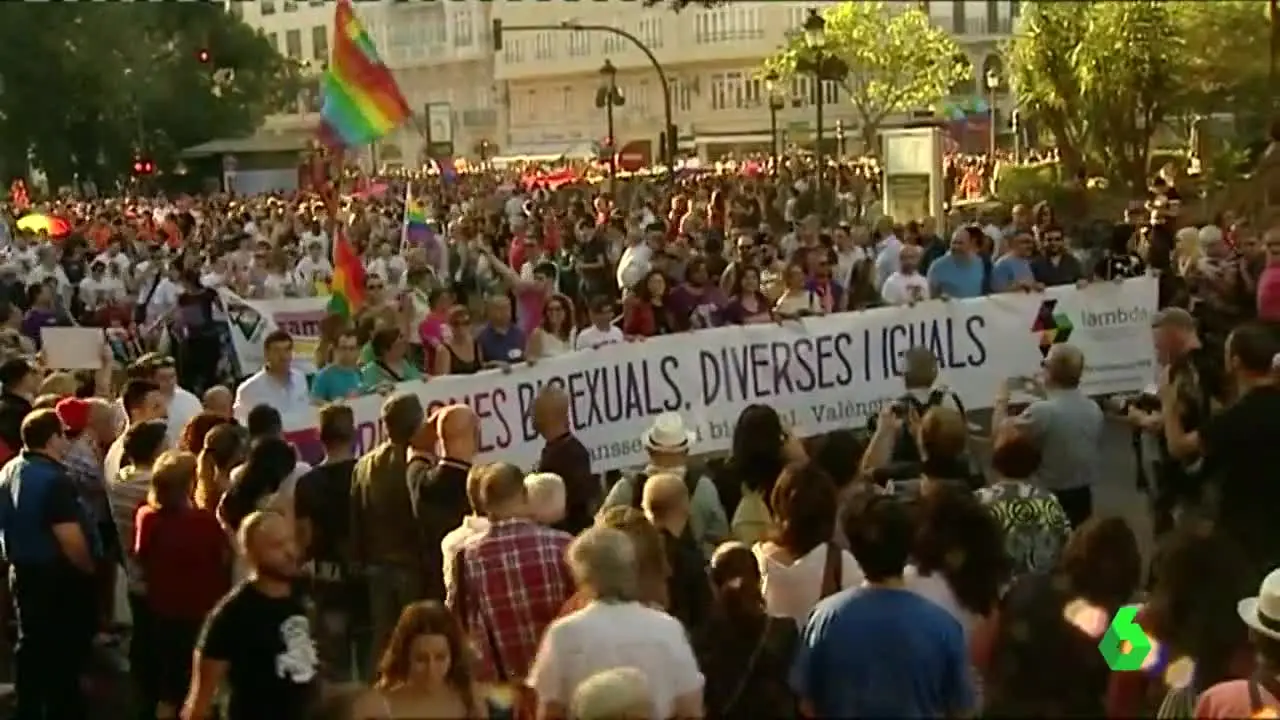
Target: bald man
218,400
438,490
257,641
665,501
1068,426
564,454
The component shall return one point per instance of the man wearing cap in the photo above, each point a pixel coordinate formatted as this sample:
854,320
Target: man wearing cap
668,443
1198,375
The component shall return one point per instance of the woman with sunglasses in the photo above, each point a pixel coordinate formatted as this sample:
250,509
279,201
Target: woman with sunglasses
554,336
458,353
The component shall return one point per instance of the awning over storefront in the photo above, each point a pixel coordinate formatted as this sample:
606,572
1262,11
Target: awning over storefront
263,142
541,153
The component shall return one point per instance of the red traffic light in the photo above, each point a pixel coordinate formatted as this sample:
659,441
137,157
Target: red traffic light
137,168
143,167
202,56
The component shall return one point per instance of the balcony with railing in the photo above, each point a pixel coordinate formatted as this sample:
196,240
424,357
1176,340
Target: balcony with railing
985,27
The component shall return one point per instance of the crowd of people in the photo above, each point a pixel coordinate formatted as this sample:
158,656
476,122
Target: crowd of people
158,525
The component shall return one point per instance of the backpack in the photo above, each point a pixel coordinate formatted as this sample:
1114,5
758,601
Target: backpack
905,448
751,519
691,478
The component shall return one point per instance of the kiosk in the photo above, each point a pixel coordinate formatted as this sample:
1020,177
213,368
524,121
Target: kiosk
913,177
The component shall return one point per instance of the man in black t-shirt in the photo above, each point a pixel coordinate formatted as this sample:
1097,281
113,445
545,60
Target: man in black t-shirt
322,507
1196,374
1241,447
257,641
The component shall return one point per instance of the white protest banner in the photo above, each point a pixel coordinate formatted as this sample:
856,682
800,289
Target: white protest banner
300,317
822,374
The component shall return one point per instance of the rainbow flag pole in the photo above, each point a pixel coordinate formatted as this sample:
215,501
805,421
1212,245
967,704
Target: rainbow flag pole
362,104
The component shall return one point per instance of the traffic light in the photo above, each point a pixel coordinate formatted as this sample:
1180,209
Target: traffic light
202,55
143,167
497,36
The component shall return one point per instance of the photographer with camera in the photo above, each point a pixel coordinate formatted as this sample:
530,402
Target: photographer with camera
894,452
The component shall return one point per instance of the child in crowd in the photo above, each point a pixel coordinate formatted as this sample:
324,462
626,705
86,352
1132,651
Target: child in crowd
546,497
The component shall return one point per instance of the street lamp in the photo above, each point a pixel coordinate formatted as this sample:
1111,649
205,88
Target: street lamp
993,84
608,97
776,103
819,62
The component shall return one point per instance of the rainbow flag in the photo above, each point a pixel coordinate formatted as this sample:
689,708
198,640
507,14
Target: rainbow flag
347,287
362,102
416,231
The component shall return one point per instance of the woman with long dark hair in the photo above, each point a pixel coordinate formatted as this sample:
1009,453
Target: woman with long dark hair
743,652
645,312
425,672
760,448
254,485
800,562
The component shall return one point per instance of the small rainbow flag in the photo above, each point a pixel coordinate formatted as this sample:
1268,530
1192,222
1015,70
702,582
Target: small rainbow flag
416,230
347,287
362,102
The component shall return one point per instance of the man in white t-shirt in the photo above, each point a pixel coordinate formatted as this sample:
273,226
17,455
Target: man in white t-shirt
314,267
906,286
180,404
601,331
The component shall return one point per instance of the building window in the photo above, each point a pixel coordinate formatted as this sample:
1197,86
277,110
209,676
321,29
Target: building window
796,15
268,7
293,44
530,104
728,24
312,3
463,35
437,31
650,32
567,99
273,39
830,92
638,98
320,43
681,95
513,51
579,43
613,44
290,6
483,97
801,90
544,47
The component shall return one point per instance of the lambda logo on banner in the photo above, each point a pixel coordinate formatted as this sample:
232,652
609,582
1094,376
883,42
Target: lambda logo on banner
247,320
1050,327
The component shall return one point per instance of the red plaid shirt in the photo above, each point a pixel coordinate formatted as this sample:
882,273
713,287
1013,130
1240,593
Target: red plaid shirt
516,579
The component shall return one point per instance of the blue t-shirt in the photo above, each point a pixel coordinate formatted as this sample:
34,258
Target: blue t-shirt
504,347
957,278
335,382
1008,270
882,652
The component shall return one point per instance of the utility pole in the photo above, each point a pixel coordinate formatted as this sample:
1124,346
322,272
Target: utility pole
668,152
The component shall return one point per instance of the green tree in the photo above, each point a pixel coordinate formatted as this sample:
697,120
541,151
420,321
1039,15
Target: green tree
1102,77
85,86
898,61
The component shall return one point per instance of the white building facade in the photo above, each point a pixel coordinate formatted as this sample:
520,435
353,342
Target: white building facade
441,54
547,79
